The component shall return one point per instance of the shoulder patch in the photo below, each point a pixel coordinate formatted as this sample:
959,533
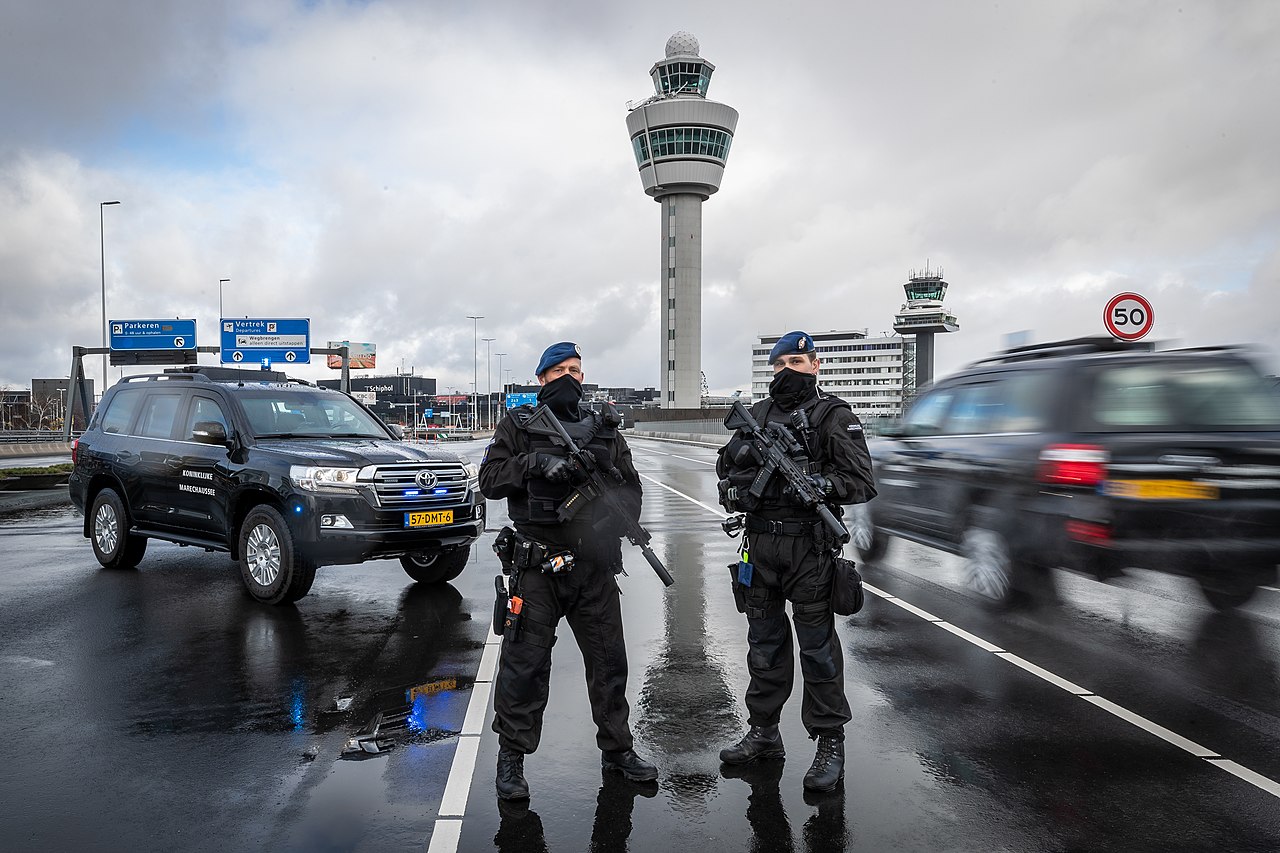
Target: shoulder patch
854,427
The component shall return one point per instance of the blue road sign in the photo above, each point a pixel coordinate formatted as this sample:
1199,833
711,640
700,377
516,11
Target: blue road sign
261,341
132,335
522,399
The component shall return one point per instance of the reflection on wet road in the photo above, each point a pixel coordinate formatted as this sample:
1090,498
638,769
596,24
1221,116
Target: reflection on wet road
162,709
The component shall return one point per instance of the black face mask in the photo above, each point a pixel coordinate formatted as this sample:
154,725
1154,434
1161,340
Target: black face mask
562,395
790,388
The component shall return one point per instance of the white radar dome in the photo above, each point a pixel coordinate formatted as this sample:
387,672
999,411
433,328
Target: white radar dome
682,44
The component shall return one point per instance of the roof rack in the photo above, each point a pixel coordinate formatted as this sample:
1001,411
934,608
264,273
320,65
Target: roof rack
1074,346
166,377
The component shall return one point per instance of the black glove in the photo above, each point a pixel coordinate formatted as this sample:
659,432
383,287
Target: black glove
824,486
743,453
557,469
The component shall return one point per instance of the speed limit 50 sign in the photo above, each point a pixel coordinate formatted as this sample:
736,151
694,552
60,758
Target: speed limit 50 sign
1128,316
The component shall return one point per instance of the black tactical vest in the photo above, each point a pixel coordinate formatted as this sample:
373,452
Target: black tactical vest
593,432
808,453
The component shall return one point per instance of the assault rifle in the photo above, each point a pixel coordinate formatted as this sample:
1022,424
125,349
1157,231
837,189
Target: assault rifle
599,485
774,446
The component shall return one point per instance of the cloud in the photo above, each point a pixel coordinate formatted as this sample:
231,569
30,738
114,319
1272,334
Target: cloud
389,168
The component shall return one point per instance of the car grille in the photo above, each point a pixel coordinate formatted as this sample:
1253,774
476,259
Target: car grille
398,486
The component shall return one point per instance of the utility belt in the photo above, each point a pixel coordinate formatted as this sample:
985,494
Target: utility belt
519,553
755,524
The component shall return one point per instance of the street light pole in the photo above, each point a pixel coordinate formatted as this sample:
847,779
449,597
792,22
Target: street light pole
475,366
221,282
500,356
102,240
488,382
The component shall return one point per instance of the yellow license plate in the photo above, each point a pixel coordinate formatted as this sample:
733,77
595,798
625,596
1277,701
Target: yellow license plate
428,519
1161,490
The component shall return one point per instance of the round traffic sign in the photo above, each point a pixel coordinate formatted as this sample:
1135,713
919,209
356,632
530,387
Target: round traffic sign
289,356
237,356
1128,316
179,343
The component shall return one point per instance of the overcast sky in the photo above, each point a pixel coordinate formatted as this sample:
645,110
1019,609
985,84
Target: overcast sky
388,168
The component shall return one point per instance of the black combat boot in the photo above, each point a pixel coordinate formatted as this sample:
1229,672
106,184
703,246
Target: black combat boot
760,742
828,764
629,764
511,784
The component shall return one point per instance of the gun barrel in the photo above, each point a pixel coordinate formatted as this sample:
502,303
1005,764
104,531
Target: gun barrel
659,569
833,523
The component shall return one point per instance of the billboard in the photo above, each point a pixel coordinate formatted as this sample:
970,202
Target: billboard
361,356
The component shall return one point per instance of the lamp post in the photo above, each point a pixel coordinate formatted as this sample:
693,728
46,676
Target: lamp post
488,382
475,365
221,282
500,356
102,240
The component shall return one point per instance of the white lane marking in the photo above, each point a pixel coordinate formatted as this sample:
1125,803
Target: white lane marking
477,708
690,499
1268,785
911,608
1057,681
973,638
489,660
691,459
454,801
445,837
1146,725
453,805
1262,782
1269,588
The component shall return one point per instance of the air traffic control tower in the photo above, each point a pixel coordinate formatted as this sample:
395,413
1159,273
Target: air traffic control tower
681,142
922,315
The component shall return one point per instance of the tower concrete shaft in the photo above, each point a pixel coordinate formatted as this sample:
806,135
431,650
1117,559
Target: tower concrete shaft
681,142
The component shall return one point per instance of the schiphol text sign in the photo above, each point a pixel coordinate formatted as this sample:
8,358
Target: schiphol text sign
153,334
250,340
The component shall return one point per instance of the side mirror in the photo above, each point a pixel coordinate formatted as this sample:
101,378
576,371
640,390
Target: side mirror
209,432
397,431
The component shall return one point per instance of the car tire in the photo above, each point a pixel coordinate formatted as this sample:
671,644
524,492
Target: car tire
990,567
272,569
113,544
1227,595
436,566
868,540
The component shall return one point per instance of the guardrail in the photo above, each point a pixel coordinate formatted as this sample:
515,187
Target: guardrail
31,436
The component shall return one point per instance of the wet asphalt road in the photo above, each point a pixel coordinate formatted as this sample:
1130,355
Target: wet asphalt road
161,709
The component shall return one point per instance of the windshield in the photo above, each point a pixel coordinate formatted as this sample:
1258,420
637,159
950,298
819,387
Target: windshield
296,412
1166,395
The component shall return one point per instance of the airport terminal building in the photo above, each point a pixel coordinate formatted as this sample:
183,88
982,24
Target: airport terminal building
872,374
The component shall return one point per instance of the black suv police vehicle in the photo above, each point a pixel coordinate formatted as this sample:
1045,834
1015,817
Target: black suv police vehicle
1093,455
284,475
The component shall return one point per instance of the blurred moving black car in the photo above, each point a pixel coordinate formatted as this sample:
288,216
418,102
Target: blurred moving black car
1089,454
285,476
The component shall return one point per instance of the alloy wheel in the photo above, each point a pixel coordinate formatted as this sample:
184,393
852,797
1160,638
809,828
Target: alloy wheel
262,552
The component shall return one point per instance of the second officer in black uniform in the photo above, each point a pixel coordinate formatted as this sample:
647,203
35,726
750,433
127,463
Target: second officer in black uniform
789,555
536,476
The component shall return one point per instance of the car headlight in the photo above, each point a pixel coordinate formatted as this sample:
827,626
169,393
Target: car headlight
472,471
314,478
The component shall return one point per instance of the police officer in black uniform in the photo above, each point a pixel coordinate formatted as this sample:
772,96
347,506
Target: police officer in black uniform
792,558
536,476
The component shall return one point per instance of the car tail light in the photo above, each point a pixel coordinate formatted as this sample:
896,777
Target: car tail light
75,445
1089,532
1073,464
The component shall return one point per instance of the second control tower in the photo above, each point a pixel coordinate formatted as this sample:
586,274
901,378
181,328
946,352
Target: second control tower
924,316
681,142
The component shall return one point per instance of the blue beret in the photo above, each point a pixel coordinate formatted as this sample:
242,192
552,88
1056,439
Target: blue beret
555,354
790,344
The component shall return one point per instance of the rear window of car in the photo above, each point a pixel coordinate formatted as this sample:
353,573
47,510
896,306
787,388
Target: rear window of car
1212,396
119,411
